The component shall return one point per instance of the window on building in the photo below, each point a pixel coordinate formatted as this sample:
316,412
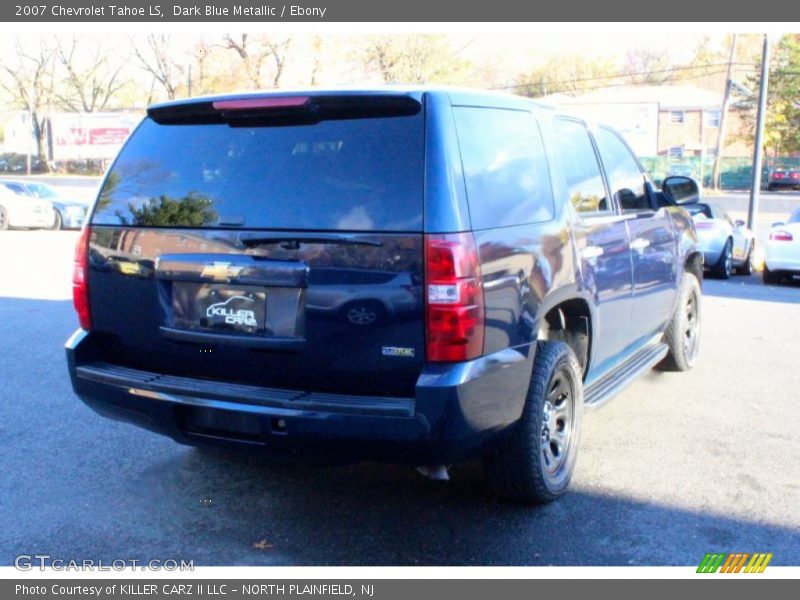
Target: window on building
675,152
677,116
712,118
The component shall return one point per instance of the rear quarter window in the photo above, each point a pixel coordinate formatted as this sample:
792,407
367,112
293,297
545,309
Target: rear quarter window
505,169
352,175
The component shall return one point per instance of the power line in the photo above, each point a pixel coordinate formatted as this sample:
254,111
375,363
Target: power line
626,84
623,74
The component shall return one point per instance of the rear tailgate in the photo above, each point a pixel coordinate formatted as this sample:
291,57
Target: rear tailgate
277,244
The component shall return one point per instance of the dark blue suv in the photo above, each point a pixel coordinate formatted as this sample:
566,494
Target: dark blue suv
414,275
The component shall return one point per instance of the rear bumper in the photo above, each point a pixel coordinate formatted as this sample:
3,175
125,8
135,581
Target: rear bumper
71,220
36,220
786,183
457,409
782,256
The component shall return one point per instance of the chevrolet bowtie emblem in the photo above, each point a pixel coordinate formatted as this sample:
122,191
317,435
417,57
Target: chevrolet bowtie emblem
221,271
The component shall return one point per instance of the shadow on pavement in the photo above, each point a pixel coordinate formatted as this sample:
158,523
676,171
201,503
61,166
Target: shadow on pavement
752,288
78,486
220,510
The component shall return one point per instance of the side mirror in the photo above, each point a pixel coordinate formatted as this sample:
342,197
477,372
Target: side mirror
681,190
778,224
740,223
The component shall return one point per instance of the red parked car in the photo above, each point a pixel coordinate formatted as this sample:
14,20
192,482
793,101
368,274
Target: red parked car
784,178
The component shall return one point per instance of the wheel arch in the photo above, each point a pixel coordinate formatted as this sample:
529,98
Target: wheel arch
568,315
694,264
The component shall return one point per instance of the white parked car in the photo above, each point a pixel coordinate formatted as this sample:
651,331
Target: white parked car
19,211
782,250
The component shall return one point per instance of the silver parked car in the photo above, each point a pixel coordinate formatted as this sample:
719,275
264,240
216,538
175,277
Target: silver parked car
362,297
19,211
726,244
67,213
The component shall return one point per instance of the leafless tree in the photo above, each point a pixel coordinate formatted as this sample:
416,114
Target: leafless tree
646,66
256,52
27,78
317,44
156,56
89,78
416,58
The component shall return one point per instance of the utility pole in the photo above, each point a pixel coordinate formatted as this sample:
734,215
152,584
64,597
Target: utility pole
755,186
32,133
722,117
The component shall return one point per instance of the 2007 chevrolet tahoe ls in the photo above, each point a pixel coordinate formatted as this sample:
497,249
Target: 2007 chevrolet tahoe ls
415,275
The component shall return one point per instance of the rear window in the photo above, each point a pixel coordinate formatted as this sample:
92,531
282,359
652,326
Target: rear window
350,175
506,172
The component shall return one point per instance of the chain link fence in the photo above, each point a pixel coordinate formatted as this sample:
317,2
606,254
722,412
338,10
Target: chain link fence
735,173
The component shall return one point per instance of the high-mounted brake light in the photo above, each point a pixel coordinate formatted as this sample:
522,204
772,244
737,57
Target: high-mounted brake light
454,306
80,290
261,103
780,235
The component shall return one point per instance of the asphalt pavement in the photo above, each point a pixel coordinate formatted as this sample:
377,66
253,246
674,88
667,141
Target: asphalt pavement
678,465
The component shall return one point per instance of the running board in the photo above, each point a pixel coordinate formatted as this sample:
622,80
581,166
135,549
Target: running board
610,385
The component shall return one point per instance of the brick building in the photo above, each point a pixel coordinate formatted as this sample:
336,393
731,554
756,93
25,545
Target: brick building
670,121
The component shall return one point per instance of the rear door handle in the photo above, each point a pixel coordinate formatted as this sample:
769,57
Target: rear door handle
639,244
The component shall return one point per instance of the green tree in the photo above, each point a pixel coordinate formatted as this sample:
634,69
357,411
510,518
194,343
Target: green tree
782,125
567,74
193,210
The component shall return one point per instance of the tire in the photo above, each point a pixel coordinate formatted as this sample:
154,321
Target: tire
724,266
770,188
771,277
57,222
683,332
3,219
363,314
529,465
747,267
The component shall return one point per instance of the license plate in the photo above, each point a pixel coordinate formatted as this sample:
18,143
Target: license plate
220,308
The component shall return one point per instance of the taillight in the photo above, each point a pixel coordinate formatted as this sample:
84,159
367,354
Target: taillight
454,308
779,235
80,291
795,175
704,225
778,175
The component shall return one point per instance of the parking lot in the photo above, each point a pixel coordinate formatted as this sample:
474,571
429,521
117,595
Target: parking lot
677,466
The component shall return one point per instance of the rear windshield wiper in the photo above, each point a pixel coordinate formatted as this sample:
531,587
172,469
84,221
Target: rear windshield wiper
292,242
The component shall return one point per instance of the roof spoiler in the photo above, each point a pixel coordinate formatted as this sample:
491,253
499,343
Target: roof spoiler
289,109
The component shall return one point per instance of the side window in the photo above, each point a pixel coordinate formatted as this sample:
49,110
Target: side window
17,188
625,178
580,167
505,168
